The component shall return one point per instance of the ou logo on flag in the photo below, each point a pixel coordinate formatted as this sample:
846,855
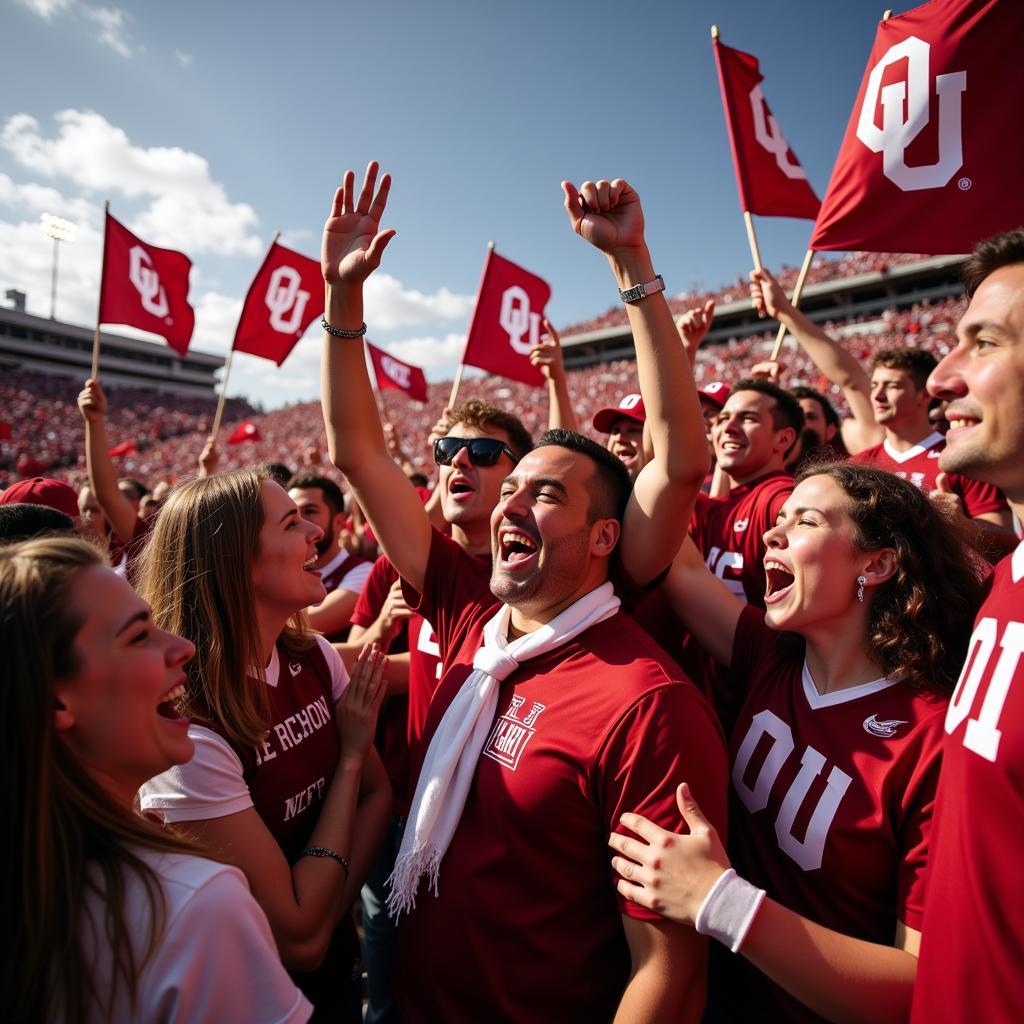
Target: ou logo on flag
516,319
896,133
284,294
398,372
147,282
768,133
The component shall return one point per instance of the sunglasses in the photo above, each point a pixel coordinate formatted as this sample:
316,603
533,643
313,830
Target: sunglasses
483,451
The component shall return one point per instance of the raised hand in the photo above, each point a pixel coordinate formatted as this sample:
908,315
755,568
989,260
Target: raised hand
607,214
770,370
209,458
441,427
394,611
548,354
695,323
92,402
353,242
768,296
669,873
356,712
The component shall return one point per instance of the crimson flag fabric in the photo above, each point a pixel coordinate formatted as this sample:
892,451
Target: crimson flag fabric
247,431
506,321
124,448
145,287
932,158
394,375
285,297
769,177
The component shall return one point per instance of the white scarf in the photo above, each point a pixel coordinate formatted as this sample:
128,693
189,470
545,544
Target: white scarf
450,762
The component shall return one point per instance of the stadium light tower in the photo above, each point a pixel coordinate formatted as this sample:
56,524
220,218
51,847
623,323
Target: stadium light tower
59,230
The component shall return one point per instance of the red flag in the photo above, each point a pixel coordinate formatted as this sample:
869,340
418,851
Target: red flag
124,448
247,431
395,375
506,321
285,297
933,157
769,177
145,287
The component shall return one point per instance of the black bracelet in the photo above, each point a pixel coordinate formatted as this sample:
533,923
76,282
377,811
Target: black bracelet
340,332
322,851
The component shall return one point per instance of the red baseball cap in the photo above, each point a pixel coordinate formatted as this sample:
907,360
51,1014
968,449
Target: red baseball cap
631,406
716,392
42,491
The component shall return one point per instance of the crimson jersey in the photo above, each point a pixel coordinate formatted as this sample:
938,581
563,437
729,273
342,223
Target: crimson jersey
729,532
920,465
526,926
971,966
830,804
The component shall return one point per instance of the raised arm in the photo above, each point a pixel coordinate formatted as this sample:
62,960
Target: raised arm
92,404
609,216
693,327
548,356
352,248
769,299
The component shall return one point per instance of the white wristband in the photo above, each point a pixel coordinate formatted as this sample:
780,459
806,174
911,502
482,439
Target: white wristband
729,910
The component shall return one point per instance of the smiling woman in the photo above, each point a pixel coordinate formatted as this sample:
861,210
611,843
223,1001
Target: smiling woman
116,919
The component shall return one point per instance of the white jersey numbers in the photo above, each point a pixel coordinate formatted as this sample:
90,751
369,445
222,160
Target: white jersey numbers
719,562
982,734
808,852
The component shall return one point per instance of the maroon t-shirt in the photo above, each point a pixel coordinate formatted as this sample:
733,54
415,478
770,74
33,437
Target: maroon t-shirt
128,554
972,941
526,926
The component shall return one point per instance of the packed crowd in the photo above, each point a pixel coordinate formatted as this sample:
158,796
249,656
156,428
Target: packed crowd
690,700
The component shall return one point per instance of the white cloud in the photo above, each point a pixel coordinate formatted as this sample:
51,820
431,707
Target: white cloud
184,59
430,352
189,210
390,306
43,199
112,23
47,8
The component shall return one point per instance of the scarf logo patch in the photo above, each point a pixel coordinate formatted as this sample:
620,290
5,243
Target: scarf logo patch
511,733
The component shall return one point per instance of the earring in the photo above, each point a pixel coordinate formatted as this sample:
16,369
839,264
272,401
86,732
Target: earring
861,580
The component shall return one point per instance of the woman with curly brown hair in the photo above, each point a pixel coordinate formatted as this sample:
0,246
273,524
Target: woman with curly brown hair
835,753
111,918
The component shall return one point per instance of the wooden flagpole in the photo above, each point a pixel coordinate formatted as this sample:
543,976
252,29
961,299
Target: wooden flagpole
227,372
99,302
797,292
462,364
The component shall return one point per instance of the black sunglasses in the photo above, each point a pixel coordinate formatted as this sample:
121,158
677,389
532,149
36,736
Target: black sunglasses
483,451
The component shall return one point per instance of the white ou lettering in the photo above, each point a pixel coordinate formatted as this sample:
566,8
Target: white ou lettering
147,282
427,643
808,852
630,402
983,734
516,319
898,132
768,133
284,295
398,372
719,562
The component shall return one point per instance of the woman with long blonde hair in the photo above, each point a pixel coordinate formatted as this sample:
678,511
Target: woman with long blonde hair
111,918
280,785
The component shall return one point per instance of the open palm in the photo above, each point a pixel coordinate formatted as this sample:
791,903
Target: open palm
353,242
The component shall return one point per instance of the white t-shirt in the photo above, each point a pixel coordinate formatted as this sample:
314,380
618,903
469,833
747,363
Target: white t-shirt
212,784
215,960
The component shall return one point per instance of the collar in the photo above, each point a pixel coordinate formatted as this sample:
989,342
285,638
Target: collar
1017,563
850,693
334,564
919,449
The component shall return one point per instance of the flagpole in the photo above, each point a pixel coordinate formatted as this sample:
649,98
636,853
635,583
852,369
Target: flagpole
99,305
755,252
219,414
462,364
797,292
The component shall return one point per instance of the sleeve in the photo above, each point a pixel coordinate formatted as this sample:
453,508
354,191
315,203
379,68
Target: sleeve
211,785
374,593
978,498
217,961
355,580
339,674
917,804
667,737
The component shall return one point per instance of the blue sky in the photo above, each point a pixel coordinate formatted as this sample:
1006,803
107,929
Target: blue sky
210,125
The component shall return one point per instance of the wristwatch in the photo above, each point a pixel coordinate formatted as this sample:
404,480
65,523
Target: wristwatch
641,291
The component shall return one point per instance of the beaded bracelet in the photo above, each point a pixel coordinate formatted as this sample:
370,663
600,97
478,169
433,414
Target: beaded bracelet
322,851
341,332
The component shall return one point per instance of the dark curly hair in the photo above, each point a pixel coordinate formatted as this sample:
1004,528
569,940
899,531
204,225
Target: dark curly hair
921,617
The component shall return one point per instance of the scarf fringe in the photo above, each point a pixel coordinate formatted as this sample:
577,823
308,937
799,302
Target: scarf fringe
404,882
